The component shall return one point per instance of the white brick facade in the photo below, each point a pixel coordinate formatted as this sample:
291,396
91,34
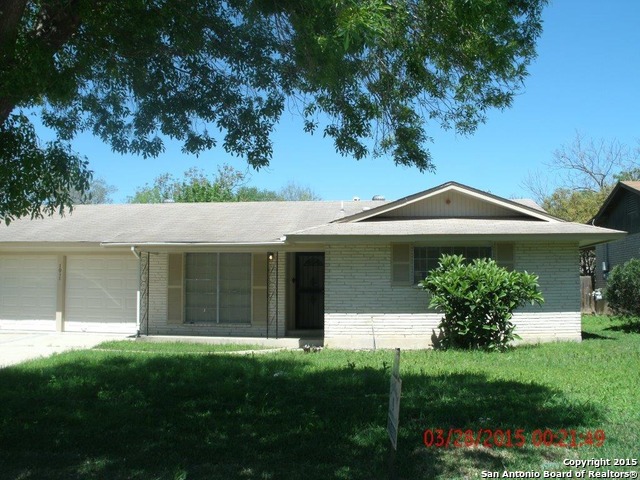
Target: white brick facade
363,309
557,266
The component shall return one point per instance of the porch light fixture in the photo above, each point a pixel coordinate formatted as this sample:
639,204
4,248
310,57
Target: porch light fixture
270,256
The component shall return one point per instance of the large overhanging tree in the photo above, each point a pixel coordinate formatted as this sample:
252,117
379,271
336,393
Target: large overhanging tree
210,72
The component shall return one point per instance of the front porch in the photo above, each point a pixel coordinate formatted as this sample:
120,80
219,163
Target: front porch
207,296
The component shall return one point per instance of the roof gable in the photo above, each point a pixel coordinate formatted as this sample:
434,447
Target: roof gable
452,200
621,209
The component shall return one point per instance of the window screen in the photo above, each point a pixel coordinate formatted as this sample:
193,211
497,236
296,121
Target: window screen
235,288
218,287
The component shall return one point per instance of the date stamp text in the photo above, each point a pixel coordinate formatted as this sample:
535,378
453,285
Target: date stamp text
508,438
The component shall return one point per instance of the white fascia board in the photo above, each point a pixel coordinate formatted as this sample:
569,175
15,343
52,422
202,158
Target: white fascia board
459,239
168,247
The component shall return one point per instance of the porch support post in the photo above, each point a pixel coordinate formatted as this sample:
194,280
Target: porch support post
143,294
272,291
61,292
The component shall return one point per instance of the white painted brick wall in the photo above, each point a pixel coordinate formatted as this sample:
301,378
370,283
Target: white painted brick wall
158,278
558,269
362,308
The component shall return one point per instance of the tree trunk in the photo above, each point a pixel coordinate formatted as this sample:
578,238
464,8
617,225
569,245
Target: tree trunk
11,12
57,21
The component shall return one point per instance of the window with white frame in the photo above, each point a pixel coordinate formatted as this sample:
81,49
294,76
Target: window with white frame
218,287
426,259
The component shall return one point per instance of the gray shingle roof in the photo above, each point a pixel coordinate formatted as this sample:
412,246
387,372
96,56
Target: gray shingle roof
527,202
244,222
249,223
635,185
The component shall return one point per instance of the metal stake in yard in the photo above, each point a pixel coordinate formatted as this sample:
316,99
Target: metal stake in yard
394,413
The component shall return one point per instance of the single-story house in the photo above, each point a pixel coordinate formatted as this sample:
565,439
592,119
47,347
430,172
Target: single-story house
346,271
620,211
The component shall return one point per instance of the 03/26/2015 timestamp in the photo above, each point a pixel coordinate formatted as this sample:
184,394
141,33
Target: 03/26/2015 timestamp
509,438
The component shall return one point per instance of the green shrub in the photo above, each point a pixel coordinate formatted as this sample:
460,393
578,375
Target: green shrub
623,289
478,300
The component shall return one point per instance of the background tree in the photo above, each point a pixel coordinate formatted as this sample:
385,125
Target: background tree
575,205
162,190
99,192
229,185
135,73
293,191
587,170
585,165
255,194
193,187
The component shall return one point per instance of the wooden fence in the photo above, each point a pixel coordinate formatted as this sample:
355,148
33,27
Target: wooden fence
587,304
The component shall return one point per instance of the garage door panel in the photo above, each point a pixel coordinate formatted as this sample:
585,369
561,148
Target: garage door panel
101,290
114,283
28,286
8,301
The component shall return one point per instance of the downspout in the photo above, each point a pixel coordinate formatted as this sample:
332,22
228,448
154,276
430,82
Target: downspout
137,255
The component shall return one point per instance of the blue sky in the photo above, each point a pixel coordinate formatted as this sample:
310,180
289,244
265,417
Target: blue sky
585,79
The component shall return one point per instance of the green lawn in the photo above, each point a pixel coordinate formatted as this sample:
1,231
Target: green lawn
172,348
120,414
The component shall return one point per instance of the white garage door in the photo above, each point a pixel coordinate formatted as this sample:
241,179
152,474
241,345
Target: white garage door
101,293
28,288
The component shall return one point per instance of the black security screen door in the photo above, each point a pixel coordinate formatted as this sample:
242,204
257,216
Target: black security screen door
309,290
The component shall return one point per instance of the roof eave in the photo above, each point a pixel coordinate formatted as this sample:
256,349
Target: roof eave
56,244
583,240
191,244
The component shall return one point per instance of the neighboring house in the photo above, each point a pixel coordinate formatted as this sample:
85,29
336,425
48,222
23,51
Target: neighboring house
344,271
620,211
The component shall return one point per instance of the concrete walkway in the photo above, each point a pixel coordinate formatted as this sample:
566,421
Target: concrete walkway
16,347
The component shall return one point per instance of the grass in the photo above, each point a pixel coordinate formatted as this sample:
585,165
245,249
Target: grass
285,415
176,347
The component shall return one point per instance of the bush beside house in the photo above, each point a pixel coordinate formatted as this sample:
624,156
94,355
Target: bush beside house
478,300
623,290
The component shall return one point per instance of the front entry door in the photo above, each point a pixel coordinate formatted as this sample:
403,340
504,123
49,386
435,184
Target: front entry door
310,290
